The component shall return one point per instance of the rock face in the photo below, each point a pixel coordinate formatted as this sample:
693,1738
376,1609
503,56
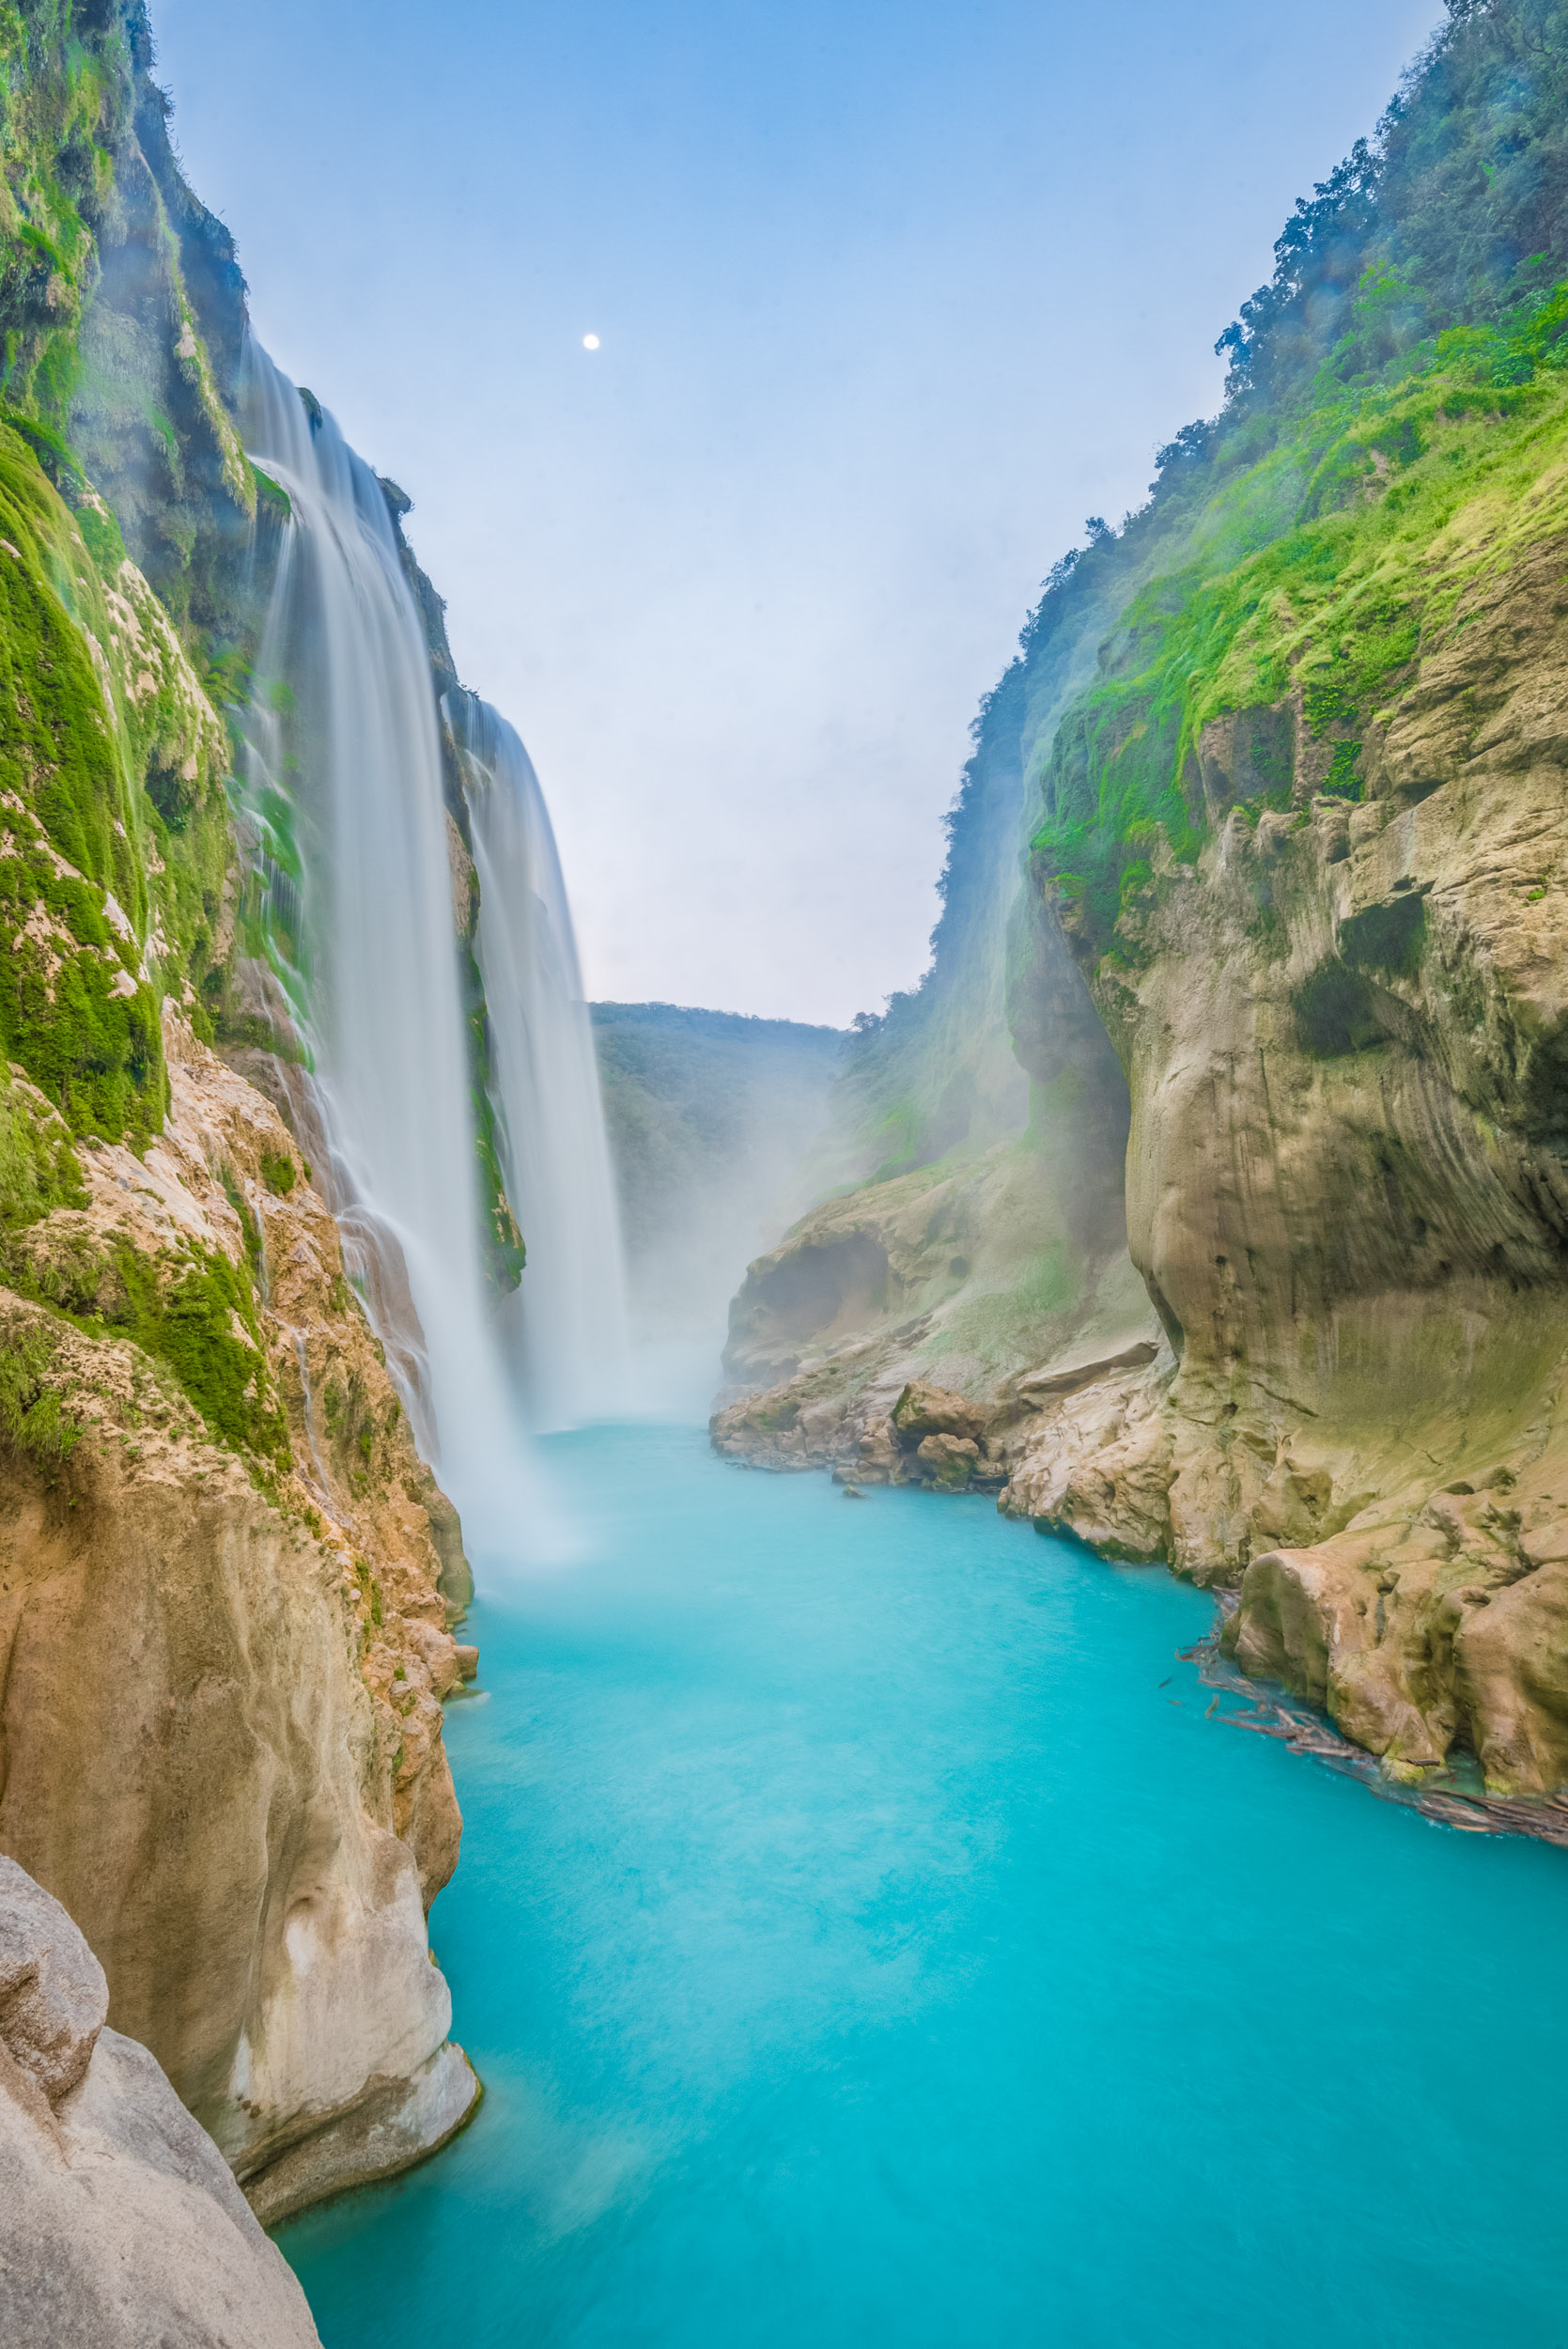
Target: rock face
227,1582
250,1854
1347,1190
1301,842
119,2220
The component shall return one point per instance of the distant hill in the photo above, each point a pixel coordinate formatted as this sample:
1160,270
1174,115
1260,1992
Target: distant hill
713,1120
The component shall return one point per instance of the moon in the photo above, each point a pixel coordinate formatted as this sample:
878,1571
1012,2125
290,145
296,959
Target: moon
590,342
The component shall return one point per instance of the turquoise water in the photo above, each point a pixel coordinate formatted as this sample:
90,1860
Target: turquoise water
867,1943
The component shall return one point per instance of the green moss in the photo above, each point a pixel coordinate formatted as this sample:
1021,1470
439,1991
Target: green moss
248,1223
272,495
1048,1281
278,1174
38,1169
370,1587
183,1311
1341,782
1361,529
504,1253
33,1418
74,1008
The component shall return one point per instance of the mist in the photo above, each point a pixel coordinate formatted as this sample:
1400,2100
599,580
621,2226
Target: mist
719,1128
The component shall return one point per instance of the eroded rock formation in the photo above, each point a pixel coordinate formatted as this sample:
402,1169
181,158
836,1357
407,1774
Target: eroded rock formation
263,1622
1342,1026
122,2222
1345,1032
228,1582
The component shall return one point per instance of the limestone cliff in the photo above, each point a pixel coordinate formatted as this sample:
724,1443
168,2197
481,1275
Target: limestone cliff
122,2222
219,1538
1343,1024
229,1583
1297,835
972,1274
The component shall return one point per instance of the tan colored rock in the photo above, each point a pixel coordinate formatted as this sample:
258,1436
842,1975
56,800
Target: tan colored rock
222,1680
960,1254
1346,1191
923,1410
119,2220
959,1273
948,1461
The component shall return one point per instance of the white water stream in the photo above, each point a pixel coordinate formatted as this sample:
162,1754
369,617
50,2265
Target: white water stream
344,784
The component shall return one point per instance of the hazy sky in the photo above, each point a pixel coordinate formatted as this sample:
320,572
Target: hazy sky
889,296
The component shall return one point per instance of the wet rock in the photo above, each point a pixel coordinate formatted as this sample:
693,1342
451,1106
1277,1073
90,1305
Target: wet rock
271,1647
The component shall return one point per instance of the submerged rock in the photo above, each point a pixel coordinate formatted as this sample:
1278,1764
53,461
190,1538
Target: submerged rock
119,2220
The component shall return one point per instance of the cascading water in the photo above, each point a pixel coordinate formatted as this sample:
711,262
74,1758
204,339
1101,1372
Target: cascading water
567,1326
344,785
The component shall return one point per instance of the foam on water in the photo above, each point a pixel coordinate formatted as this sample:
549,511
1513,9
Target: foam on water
866,1938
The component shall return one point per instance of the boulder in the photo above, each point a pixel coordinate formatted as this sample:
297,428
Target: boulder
948,1461
119,2219
925,1410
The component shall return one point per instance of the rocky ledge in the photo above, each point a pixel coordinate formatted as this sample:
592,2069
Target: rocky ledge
1427,1619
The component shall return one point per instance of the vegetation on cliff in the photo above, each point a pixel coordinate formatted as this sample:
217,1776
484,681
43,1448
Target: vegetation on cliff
115,838
1288,748
1397,386
186,1377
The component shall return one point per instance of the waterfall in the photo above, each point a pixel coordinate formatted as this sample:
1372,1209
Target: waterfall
567,1325
343,788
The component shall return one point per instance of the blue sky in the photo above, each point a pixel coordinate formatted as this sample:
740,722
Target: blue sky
889,299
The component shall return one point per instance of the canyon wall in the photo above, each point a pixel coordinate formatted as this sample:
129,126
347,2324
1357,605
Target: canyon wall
1296,833
230,1583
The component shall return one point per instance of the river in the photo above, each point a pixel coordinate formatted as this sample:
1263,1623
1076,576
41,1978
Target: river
866,1938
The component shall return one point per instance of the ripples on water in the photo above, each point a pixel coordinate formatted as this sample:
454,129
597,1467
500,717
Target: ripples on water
863,1947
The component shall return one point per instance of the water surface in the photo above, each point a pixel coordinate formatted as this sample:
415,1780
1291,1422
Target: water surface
866,1940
